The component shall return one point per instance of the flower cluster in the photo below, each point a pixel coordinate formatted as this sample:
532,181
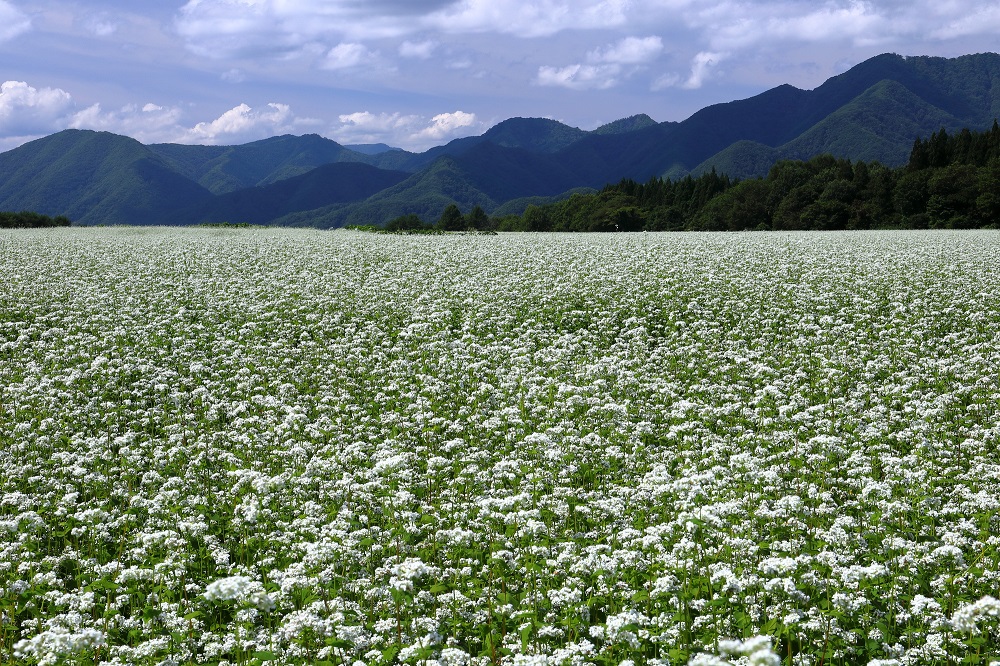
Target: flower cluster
302,447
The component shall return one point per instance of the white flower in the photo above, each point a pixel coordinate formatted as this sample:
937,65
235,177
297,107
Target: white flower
59,642
968,616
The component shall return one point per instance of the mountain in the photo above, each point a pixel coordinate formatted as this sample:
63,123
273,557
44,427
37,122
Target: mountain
538,135
94,178
852,115
370,148
900,99
330,184
625,125
873,111
485,175
222,169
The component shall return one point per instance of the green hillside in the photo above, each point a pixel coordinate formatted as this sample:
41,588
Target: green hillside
222,169
949,181
851,114
324,186
93,178
626,125
486,175
880,125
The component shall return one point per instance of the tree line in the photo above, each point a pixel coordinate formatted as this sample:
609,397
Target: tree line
949,181
27,219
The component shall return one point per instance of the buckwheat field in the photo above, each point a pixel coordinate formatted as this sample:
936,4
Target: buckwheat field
299,447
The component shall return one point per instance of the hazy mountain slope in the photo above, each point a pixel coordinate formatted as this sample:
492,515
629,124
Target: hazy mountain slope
625,125
93,178
536,135
426,194
323,186
370,148
964,90
743,159
222,169
486,175
880,124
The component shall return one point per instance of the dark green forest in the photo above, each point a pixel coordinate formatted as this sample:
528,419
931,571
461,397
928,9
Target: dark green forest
950,182
27,219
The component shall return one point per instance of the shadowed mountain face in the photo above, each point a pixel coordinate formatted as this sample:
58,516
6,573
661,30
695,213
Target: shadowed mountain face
872,112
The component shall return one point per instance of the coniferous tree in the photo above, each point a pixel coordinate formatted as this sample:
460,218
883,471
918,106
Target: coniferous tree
477,219
452,219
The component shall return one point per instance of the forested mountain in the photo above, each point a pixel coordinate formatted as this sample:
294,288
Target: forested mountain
323,186
872,112
222,169
949,181
94,178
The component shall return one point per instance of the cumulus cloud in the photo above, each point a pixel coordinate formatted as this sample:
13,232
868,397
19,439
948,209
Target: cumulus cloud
244,123
349,56
629,51
579,77
855,22
148,124
446,126
409,131
701,70
605,67
13,21
26,111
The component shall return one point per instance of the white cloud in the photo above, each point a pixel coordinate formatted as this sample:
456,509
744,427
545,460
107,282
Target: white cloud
421,50
349,56
101,25
629,51
529,19
256,28
982,20
605,66
408,131
26,111
579,77
152,123
147,124
244,123
446,126
13,21
701,70
273,28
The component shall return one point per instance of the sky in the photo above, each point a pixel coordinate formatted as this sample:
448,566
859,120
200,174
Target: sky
418,73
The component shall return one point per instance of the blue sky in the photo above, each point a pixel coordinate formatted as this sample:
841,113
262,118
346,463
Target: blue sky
418,73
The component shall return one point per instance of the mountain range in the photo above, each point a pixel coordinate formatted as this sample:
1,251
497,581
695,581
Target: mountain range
874,111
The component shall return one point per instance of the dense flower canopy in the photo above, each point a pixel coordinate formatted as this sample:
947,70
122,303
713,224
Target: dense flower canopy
279,446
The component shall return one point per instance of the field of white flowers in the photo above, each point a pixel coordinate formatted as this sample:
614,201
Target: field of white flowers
297,447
